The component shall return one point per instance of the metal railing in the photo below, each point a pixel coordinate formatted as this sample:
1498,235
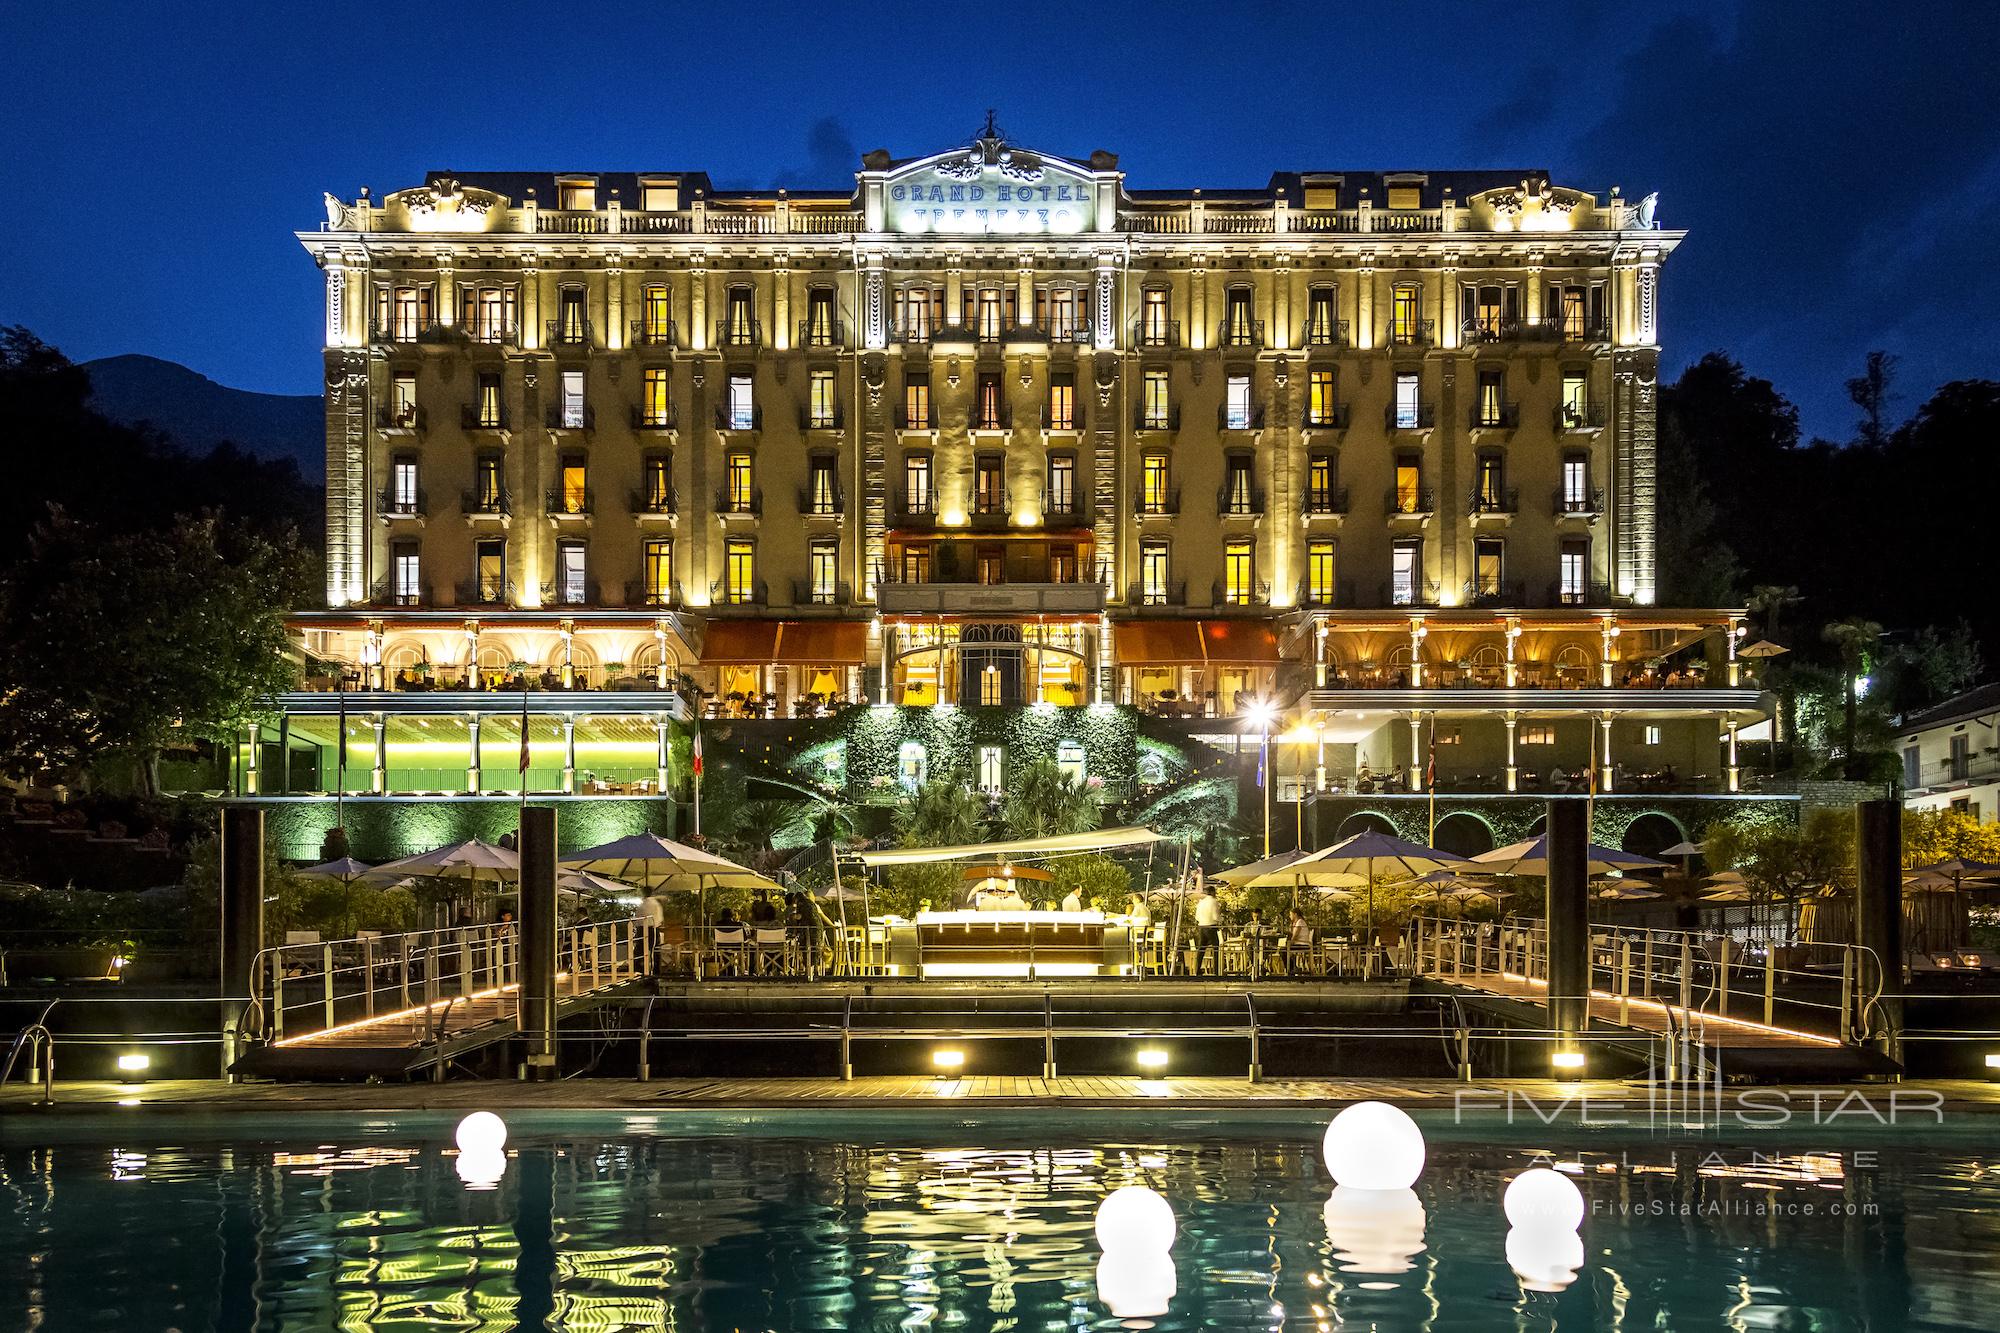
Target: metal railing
1333,416
1325,501
1249,418
1164,334
1323,333
1494,416
666,334
1395,418
487,502
569,333
645,420
409,505
1494,500
733,334
1590,502
581,417
822,333
567,501
646,502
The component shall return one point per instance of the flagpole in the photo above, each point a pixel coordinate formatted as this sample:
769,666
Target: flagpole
340,765
695,755
526,757
1431,780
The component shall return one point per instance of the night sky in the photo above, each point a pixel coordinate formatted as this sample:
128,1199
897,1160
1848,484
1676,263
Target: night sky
1837,164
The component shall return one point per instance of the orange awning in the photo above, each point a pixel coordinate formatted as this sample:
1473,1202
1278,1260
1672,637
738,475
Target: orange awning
1239,641
1171,642
805,642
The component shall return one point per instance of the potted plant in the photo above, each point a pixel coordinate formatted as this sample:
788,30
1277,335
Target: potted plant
613,671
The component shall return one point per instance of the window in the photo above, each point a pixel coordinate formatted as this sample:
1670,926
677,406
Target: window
1409,407
661,196
912,767
489,493
1239,572
1236,410
1154,475
1320,472
916,564
742,403
916,312
989,485
1577,309
740,494
1319,573
1913,766
1961,758
659,572
821,492
917,402
1061,498
740,579
573,485
988,321
1321,327
1574,566
1488,557
1489,487
570,589
403,401
571,325
1064,319
824,560
822,408
1538,733
1070,762
1239,496
403,485
989,767
1652,733
1409,485
408,586
917,494
739,327
1062,402
488,314
992,566
577,196
655,403
658,496
820,330
1154,328
989,411
1157,411
1238,328
1322,402
1575,399
571,400
403,314
1576,484
1406,196
1491,406
1406,572
655,314
1153,573
1406,307
991,688
1062,564
487,409
1489,311
490,561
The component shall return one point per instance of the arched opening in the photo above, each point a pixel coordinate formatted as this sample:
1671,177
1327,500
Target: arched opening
1464,833
1364,821
989,666
1536,829
1652,833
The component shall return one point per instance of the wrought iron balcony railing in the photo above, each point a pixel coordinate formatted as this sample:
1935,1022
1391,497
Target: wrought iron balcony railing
666,418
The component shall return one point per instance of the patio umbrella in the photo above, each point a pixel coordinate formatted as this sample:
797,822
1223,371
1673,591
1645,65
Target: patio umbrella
1362,858
1244,876
584,883
344,871
1687,849
1619,891
1531,858
1730,893
471,862
1761,648
657,863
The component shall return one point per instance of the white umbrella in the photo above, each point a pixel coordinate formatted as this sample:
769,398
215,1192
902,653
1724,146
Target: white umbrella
1246,875
571,880
345,870
473,860
1532,858
653,861
1360,858
1761,648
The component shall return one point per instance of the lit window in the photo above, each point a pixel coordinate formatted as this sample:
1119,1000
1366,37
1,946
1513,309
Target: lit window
1492,407
491,563
1406,571
655,405
578,196
739,328
1489,489
1062,402
742,403
740,586
917,402
409,584
571,324
656,315
1320,498
1154,497
574,493
1652,733
1062,484
1322,404
990,410
1154,327
1239,573
1236,412
916,564
820,330
489,492
822,492
570,585
988,324
989,486
741,494
989,768
1574,565
1406,315
572,400
1320,323
1409,486
1409,403
912,767
1239,495
1320,573
1153,573
659,563
1538,733
1487,557
659,196
1575,399
822,405
403,401
659,493
917,497
1238,329
1157,411
825,558
490,412
1576,483
1070,761
403,486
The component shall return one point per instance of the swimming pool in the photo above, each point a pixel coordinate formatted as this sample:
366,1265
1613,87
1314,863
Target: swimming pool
821,1221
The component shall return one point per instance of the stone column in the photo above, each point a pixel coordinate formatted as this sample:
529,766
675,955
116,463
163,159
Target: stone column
1735,773
378,781
1513,722
569,755
664,757
1604,782
472,755
1416,750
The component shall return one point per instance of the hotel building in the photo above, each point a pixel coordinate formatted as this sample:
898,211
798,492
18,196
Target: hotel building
999,428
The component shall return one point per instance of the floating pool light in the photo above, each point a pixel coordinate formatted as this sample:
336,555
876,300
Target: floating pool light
481,1168
481,1132
1374,1231
1374,1146
1544,1199
1136,1284
1135,1220
1545,1258
1152,1057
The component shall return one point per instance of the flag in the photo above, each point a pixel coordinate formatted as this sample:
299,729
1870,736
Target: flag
697,751
1431,765
524,740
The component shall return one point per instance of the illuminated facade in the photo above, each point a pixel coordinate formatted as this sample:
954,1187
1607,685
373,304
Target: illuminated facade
993,428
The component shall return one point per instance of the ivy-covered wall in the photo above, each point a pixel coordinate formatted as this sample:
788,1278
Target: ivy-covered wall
382,828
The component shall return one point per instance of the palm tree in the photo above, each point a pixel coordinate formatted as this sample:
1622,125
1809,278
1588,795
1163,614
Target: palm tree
1042,800
760,823
1854,639
941,814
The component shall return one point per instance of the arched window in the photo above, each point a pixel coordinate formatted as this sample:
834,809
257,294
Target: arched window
1070,761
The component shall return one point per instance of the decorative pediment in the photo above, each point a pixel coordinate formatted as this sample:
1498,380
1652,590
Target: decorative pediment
989,186
445,205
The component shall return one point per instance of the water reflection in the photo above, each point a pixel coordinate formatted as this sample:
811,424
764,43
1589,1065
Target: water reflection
901,1228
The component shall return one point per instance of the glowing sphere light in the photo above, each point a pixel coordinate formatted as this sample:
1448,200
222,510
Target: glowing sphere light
1136,1284
482,1168
482,1131
1545,1258
1544,1199
1135,1220
1374,1231
1374,1146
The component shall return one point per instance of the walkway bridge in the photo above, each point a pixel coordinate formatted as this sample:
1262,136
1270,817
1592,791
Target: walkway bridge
1689,1006
390,1006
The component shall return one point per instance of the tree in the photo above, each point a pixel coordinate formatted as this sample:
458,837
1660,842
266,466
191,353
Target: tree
1042,801
940,814
1854,639
1786,861
1096,879
1930,836
123,644
1870,391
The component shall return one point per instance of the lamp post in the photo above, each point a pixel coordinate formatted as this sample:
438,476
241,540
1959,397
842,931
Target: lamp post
1263,714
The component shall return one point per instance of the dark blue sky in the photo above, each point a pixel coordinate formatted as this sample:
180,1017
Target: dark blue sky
1838,164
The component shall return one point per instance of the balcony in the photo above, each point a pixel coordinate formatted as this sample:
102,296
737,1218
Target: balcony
1487,330
1240,334
740,418
1159,505
576,417
905,512
1493,592
1422,417
1592,593
913,334
739,333
1070,511
1331,416
1162,335
1409,502
1579,417
649,504
407,505
486,592
566,592
1231,502
1585,331
1325,594
1412,332
1071,420
472,416
1079,598
1327,502
822,334
408,332
1408,592
924,420
1494,416
834,418
1168,418
1493,500
639,592
991,509
663,419
736,504
807,593
724,593
569,333
817,504
486,503
1584,504
1324,334
1240,595
405,420
387,592
568,502
1170,592
655,333
1249,417
992,418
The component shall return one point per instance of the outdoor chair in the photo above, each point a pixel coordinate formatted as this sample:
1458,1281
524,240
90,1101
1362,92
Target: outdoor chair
731,955
772,946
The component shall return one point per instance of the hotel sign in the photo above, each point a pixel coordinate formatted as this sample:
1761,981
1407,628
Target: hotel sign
990,191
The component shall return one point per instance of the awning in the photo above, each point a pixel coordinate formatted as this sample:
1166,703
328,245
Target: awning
802,642
1193,642
1239,641
1097,840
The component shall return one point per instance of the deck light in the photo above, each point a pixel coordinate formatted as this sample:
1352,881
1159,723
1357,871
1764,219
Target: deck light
1993,1066
1543,1199
1568,1064
1374,1146
948,1057
1152,1057
133,1065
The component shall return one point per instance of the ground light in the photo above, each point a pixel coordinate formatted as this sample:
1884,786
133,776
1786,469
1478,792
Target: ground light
1152,1057
482,1155
133,1065
1374,1146
1568,1064
947,1060
1993,1067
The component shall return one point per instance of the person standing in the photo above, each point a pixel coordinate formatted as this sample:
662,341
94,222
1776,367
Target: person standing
653,921
1072,901
1208,928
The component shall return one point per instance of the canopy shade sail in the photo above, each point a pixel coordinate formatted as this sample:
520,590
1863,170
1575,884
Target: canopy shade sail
1193,642
764,642
1097,840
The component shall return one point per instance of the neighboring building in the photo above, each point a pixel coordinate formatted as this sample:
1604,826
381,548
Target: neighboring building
992,428
1951,755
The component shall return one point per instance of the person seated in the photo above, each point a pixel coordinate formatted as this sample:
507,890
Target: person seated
1298,942
763,912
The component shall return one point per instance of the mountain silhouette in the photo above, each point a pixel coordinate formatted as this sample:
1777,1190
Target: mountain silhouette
198,414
